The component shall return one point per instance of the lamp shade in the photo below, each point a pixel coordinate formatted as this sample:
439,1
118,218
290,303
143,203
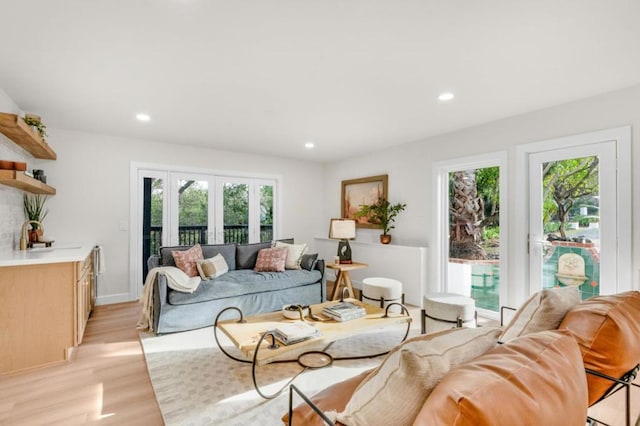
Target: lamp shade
342,229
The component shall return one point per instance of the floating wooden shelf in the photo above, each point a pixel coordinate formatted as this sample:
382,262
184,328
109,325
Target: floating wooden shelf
14,127
26,183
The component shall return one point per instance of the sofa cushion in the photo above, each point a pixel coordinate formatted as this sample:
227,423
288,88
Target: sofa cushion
309,261
247,254
228,251
395,391
271,259
294,254
186,260
212,267
333,398
537,379
243,282
542,311
607,329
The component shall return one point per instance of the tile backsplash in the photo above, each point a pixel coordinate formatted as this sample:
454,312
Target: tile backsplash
11,214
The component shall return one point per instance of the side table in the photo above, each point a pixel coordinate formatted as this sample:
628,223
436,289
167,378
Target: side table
343,277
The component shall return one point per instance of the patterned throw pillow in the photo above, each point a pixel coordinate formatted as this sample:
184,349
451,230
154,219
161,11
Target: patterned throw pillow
186,259
271,260
212,267
294,256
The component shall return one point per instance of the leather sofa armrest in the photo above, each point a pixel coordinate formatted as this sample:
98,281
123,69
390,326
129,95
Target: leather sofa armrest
307,400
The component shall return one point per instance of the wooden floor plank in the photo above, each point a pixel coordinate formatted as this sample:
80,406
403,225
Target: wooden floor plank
106,381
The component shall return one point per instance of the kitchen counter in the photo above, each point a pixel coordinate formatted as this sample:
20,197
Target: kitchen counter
57,253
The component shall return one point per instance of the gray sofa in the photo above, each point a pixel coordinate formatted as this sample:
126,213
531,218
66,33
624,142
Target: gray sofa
252,292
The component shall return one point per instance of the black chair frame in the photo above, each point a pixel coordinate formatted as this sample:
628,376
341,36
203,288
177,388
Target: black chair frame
625,382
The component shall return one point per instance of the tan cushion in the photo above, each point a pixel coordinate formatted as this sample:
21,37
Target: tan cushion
212,267
607,329
535,380
333,398
294,254
542,311
395,391
186,259
271,260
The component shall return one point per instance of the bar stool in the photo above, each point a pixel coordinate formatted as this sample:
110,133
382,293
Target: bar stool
381,291
447,310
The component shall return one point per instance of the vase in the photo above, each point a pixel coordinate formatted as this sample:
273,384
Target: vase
385,238
33,235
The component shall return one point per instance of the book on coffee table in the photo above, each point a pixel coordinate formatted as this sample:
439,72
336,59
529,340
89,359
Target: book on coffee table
295,332
344,311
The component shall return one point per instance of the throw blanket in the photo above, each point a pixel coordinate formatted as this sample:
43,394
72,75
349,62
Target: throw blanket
176,280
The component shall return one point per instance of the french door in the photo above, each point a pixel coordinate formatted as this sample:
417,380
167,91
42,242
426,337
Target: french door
579,220
183,208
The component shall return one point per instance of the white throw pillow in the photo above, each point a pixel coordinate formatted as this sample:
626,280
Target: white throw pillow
212,267
394,392
294,256
543,311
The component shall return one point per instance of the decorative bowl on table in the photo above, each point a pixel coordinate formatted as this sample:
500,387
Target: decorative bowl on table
292,311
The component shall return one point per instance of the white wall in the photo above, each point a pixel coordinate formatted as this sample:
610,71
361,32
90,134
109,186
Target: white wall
91,176
409,167
11,212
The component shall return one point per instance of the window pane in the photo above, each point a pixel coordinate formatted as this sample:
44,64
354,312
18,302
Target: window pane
571,219
193,205
266,213
474,235
236,213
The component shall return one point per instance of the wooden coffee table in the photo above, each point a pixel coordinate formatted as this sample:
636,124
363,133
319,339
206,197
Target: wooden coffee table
253,336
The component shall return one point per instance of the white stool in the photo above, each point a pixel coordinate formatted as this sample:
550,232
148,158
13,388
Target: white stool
447,310
381,291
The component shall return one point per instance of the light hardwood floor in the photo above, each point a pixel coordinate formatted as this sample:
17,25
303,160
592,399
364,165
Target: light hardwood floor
107,382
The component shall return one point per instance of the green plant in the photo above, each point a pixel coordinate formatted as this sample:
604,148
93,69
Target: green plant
381,213
34,208
31,121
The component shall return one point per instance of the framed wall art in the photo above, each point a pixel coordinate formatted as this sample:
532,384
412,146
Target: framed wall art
359,192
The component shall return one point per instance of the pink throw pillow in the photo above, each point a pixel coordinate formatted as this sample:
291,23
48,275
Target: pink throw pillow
271,260
187,260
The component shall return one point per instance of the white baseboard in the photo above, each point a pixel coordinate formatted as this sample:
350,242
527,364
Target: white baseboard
113,298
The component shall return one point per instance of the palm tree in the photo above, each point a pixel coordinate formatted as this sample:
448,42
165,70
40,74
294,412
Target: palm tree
466,215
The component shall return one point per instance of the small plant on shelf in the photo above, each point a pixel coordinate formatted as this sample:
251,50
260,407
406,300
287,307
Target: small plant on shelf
34,121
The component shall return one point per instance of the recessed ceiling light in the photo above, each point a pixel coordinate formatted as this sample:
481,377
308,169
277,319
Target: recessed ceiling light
309,145
143,117
447,96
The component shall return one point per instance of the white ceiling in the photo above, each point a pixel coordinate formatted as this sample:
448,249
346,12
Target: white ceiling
265,76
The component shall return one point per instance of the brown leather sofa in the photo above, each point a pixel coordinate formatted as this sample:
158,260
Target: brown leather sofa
535,379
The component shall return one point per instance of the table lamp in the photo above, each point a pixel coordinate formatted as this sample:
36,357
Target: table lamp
343,230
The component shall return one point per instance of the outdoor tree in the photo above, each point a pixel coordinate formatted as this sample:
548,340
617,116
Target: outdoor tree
474,205
565,182
466,210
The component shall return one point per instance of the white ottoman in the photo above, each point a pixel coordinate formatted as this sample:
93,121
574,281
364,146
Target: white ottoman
381,291
447,310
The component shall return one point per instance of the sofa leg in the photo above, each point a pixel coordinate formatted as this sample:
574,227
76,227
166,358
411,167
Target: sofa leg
423,325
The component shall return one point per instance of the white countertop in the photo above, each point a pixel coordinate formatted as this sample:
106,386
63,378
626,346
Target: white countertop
57,253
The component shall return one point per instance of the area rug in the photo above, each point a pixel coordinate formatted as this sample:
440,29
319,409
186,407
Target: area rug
196,384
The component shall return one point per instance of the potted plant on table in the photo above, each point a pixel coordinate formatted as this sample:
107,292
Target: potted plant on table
382,213
34,210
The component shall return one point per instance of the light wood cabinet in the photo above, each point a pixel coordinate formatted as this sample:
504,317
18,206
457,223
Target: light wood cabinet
43,313
84,271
